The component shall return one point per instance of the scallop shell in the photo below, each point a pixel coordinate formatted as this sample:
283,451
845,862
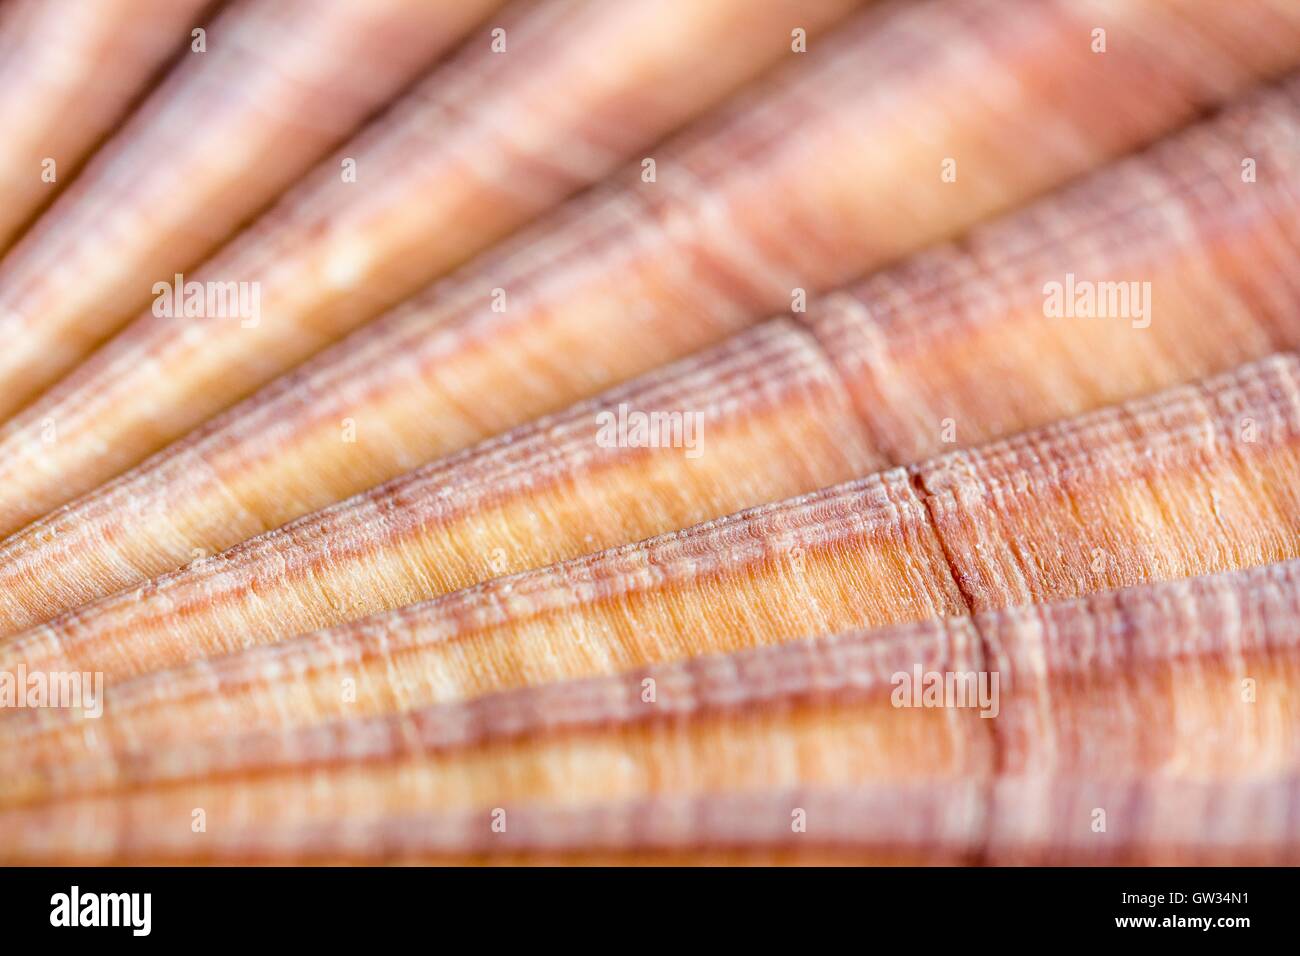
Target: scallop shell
743,432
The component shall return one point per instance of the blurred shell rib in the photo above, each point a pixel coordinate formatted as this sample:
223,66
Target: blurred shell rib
434,184
69,71
279,84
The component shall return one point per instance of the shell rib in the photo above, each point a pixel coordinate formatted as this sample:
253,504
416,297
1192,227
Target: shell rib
635,274
1114,701
963,334
1198,479
776,423
280,83
68,72
436,181
776,405
1012,821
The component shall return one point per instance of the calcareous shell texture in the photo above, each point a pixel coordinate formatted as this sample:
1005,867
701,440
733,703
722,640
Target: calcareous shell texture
736,432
